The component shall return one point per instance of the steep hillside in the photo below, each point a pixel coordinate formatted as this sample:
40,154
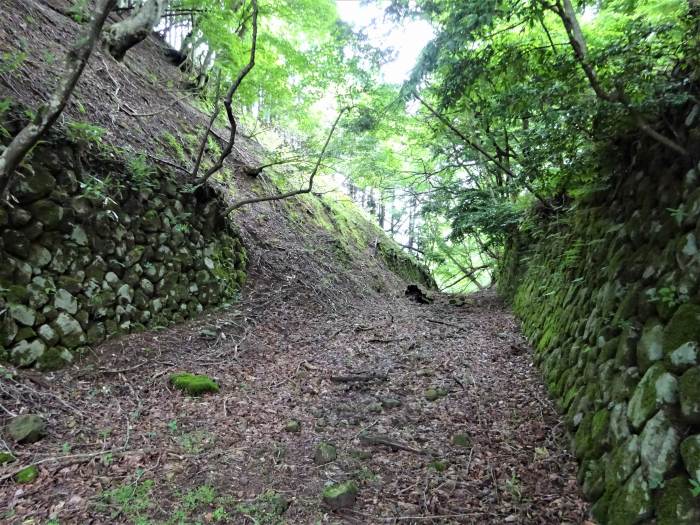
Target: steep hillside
321,394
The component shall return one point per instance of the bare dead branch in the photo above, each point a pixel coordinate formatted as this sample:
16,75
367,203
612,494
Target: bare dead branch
76,60
310,186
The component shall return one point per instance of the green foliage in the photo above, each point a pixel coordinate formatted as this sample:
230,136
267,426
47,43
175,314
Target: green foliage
142,171
175,146
11,61
695,488
85,133
79,11
266,509
132,499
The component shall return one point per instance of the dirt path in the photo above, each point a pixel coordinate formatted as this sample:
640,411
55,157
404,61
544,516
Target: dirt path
173,459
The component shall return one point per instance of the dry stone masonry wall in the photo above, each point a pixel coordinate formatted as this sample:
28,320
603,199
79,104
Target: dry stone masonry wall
608,293
87,252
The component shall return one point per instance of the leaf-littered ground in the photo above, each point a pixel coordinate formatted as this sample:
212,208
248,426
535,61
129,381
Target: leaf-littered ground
124,447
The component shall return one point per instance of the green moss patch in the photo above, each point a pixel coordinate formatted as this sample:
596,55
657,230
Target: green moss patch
27,475
684,326
192,384
340,495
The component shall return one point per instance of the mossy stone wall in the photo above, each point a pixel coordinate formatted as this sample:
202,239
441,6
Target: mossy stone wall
608,294
87,252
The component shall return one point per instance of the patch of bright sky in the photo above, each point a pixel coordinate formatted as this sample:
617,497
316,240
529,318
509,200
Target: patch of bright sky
407,38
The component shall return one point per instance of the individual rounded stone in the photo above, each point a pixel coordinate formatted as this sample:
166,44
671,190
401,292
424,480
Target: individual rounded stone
54,359
27,475
69,330
690,452
63,300
623,461
689,393
684,326
22,314
659,451
193,384
31,186
16,243
656,389
26,353
39,256
340,495
26,428
325,453
48,334
682,357
293,426
48,213
631,503
676,504
650,346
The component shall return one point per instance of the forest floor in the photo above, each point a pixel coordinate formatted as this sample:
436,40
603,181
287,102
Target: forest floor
124,446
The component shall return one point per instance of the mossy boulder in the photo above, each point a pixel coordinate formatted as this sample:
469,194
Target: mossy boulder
690,452
623,461
22,314
69,330
293,426
48,213
689,393
6,457
676,504
25,353
683,327
658,450
26,428
27,475
656,389
325,453
340,495
632,503
433,394
30,186
682,358
193,384
650,346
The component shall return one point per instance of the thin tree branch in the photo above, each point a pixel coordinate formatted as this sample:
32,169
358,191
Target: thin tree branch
478,147
229,98
565,10
243,202
76,60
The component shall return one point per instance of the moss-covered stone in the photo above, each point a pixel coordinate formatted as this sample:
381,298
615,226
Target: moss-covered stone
325,453
656,389
631,503
6,457
48,213
624,460
193,384
293,426
690,452
683,327
659,448
676,504
682,358
25,353
650,346
27,475
689,393
26,428
340,495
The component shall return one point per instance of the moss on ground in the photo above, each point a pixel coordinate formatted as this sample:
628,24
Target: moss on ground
192,384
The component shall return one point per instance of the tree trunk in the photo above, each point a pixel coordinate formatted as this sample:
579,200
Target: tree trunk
124,35
76,59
